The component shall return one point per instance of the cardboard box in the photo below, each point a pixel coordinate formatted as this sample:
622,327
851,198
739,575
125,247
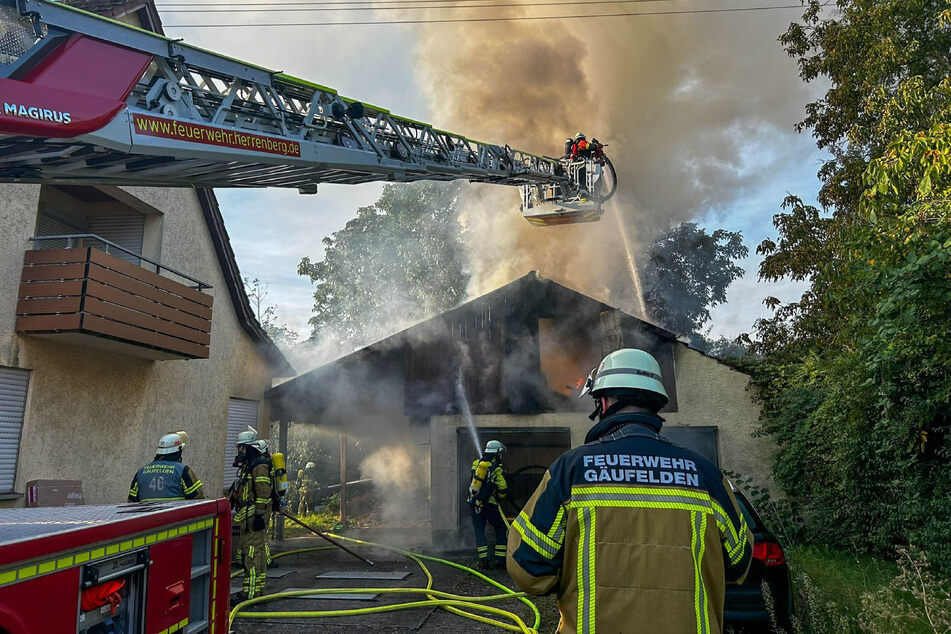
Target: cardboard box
54,493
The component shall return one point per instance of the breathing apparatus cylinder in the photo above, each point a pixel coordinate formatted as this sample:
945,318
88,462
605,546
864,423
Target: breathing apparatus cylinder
478,479
280,472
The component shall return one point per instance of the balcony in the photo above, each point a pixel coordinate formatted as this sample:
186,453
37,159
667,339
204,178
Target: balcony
88,297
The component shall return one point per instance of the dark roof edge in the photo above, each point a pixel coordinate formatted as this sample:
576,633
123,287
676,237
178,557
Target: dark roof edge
510,287
239,298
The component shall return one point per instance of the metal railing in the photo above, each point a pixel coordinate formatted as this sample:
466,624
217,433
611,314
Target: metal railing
159,267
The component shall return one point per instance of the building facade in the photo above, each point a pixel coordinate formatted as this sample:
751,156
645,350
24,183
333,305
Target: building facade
509,366
135,325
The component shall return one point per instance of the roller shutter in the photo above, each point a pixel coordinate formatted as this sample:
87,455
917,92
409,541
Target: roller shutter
126,231
241,414
13,385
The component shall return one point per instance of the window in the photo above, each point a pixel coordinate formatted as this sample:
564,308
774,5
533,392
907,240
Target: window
241,415
699,438
13,384
69,210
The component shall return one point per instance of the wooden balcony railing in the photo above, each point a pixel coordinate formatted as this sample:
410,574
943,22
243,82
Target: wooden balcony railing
87,292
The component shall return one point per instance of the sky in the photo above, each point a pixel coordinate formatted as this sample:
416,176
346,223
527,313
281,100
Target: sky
700,110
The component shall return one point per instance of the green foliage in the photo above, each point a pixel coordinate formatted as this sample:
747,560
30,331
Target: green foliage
686,271
399,261
853,378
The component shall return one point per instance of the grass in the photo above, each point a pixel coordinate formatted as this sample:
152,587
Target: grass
849,592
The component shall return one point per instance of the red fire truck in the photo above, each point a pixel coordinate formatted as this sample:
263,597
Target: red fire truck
156,568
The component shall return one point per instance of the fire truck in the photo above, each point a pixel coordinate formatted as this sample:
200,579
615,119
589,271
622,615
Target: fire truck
85,99
156,568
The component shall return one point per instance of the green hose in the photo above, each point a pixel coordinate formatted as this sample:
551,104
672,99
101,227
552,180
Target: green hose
435,598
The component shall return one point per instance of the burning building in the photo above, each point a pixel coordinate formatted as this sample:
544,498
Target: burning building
509,366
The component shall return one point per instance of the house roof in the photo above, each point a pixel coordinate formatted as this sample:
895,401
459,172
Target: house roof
149,19
529,285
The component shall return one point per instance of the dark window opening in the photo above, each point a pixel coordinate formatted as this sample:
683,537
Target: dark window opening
529,451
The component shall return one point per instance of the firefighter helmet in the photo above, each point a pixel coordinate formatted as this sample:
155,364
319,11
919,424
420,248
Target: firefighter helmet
580,136
627,371
259,444
184,436
169,443
247,437
494,446
309,465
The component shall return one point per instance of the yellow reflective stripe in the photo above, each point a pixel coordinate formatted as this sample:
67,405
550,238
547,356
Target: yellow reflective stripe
26,572
657,497
97,553
64,562
692,493
698,529
193,487
587,518
265,479
7,577
537,540
262,500
558,526
46,566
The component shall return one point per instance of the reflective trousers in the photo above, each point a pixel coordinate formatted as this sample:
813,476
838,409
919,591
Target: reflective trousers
253,549
490,513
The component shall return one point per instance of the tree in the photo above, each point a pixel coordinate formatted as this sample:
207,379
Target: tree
280,334
853,378
686,272
399,261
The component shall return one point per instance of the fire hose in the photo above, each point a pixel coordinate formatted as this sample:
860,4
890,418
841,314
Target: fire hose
434,598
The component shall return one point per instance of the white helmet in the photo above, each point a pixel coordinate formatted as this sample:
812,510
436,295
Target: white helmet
247,437
169,443
260,445
309,465
494,446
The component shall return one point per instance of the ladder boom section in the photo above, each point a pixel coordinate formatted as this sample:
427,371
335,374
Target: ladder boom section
89,99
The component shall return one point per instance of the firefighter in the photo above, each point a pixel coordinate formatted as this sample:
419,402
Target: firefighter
251,499
581,148
166,478
486,492
569,144
306,487
634,533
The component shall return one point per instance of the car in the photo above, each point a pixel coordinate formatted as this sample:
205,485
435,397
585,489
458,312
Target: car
745,606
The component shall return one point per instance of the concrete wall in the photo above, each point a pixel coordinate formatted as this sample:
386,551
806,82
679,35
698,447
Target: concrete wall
708,393
96,416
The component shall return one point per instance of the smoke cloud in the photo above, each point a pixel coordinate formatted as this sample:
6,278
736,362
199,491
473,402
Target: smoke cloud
696,110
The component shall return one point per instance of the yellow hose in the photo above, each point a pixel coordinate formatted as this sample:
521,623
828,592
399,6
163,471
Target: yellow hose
435,598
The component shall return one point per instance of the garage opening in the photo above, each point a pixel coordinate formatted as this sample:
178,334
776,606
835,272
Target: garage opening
529,452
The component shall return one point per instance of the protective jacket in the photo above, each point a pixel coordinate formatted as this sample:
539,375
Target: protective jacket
495,479
252,494
634,533
165,480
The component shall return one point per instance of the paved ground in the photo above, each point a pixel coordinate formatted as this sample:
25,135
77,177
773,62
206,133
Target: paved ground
304,568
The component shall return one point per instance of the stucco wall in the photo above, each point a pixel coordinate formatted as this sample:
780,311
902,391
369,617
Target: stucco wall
96,416
711,393
708,393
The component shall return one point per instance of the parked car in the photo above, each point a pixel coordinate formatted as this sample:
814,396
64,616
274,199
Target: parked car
745,606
